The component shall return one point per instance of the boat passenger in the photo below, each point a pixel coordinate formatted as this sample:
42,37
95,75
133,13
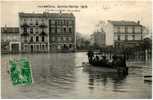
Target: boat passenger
90,56
104,61
97,59
114,62
119,62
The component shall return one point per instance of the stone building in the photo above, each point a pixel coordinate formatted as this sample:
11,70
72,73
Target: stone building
98,39
44,32
10,40
123,33
62,31
34,32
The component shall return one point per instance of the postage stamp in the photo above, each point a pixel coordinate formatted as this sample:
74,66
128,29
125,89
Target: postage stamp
20,72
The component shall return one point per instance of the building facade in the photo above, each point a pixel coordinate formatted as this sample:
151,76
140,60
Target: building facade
44,32
98,39
62,32
10,40
124,33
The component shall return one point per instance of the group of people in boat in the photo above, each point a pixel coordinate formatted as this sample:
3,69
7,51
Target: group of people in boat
117,61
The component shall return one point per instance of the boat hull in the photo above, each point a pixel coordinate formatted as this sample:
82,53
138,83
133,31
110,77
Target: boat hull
104,69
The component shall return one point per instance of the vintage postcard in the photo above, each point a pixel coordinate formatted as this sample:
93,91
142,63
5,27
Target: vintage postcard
76,49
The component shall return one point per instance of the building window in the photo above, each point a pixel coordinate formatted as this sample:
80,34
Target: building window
37,38
70,38
52,30
126,29
36,30
58,30
52,22
53,38
129,29
133,29
67,38
70,22
64,22
70,30
36,22
58,22
31,39
118,29
70,45
43,47
118,37
64,29
64,38
59,39
43,38
133,36
126,37
25,30
137,29
31,30
122,29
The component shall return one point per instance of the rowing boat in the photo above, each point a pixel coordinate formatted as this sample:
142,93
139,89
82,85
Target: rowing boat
89,67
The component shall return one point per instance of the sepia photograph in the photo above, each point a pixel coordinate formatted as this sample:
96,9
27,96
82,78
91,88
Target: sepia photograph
79,49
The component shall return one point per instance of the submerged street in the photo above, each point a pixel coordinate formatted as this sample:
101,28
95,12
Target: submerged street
61,75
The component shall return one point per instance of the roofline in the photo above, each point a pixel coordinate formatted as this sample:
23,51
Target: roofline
45,14
111,21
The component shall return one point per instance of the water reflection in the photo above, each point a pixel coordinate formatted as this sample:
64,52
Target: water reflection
104,78
55,72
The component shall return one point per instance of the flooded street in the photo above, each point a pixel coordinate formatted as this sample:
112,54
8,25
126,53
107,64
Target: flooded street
61,75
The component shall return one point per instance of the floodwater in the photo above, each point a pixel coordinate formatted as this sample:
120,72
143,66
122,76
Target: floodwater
61,75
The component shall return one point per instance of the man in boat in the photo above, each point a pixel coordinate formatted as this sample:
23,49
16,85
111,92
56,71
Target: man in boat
114,60
90,56
104,61
97,60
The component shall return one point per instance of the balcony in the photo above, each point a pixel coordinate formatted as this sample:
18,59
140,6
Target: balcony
43,25
43,33
25,25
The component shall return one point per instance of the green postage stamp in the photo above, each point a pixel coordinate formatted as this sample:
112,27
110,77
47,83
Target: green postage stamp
20,72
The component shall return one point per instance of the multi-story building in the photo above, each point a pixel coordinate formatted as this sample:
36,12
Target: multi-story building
42,32
34,32
98,39
123,33
10,39
62,31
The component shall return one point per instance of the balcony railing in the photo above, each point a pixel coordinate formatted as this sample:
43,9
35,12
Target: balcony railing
25,25
43,25
43,33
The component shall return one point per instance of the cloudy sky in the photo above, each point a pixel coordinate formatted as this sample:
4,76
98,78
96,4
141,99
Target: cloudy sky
86,18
